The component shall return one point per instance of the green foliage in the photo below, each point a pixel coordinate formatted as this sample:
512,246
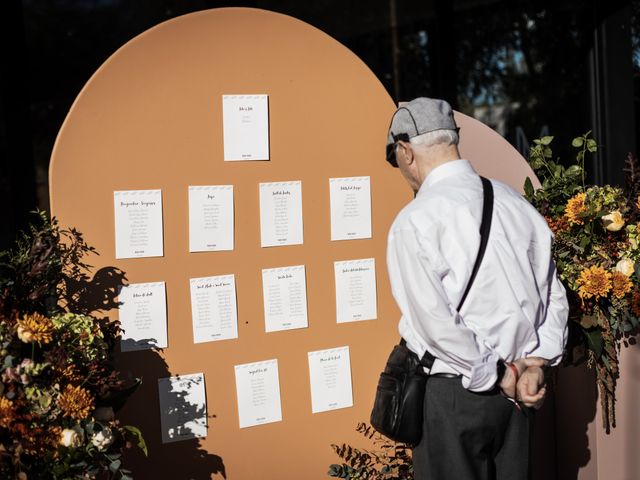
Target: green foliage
389,460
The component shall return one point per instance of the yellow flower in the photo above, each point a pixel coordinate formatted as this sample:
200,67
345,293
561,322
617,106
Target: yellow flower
35,328
75,402
594,282
626,266
575,207
614,221
7,412
638,202
621,284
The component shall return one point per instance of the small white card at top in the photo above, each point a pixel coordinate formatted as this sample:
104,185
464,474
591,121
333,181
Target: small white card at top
210,218
183,407
330,376
285,298
281,213
214,312
355,290
245,123
258,390
143,316
138,223
350,200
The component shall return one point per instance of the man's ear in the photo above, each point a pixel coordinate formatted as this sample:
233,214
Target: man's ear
407,151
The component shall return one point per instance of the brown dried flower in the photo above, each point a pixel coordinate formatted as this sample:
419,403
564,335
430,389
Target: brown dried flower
35,327
75,402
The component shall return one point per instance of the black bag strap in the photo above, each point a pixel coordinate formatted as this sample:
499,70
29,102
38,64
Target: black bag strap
485,227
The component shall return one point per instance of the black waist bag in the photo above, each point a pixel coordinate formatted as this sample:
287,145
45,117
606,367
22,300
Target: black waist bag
397,409
399,403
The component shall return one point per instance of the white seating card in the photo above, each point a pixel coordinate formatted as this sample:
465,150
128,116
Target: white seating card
330,376
214,311
138,223
285,298
355,290
258,390
183,407
245,123
143,316
281,213
350,200
210,218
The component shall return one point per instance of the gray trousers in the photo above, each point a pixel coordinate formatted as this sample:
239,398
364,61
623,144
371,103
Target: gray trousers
471,436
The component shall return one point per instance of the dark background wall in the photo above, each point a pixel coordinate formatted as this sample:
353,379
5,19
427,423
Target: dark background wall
526,68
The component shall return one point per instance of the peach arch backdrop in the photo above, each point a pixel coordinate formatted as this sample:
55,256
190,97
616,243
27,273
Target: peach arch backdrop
151,118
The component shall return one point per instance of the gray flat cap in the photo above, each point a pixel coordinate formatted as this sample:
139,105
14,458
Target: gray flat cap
420,115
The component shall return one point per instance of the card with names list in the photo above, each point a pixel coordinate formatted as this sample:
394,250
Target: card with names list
143,316
284,291
258,393
138,223
350,202
330,378
355,290
183,407
245,124
281,213
211,218
214,312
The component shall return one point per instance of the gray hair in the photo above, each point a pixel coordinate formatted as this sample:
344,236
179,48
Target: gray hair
429,139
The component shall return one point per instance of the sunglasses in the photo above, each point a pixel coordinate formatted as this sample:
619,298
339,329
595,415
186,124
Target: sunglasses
391,148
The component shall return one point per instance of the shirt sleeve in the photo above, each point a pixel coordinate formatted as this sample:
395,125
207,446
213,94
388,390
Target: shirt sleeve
552,333
416,282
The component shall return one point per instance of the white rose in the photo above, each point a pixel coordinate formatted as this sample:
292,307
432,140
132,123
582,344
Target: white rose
626,266
614,221
72,437
102,439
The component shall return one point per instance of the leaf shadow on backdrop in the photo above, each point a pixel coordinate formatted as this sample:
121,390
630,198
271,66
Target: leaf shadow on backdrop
180,459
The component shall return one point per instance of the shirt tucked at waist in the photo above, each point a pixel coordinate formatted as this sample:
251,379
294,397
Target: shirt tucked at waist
516,307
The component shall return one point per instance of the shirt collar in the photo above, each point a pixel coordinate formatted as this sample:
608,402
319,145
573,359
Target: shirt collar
448,169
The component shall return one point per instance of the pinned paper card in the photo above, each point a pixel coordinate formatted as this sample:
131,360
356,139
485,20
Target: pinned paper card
285,298
350,200
245,122
258,390
183,407
138,223
330,376
210,218
213,308
143,316
281,213
355,290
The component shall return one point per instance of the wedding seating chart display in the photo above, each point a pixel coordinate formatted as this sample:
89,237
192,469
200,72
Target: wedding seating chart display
210,218
138,223
258,391
183,407
143,316
285,298
355,290
281,213
330,376
245,120
350,200
213,308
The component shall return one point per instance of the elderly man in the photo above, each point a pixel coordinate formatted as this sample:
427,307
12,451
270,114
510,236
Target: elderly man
490,356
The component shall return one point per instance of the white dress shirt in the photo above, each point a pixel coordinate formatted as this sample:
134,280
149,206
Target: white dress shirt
516,307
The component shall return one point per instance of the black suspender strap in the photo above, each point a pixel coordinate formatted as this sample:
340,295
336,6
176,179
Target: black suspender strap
485,227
